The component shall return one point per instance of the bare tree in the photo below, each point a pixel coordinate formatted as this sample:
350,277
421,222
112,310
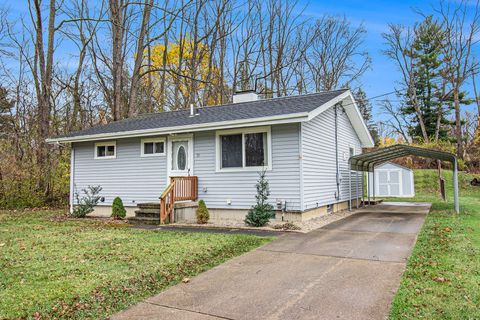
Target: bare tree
396,121
336,50
461,25
398,41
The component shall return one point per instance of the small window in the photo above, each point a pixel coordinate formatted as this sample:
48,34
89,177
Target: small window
351,152
243,149
105,150
153,147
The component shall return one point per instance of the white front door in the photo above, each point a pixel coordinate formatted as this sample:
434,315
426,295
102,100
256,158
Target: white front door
180,155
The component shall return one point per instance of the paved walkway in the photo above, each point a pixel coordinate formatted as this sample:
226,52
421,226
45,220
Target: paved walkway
349,269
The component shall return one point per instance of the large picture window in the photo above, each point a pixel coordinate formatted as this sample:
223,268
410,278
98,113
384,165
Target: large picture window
246,149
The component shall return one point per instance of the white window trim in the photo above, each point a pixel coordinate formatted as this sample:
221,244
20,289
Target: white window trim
352,146
105,144
243,131
154,140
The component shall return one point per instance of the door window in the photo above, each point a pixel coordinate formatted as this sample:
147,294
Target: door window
180,155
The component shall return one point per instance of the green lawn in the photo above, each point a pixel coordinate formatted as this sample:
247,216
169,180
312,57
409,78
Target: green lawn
86,269
442,280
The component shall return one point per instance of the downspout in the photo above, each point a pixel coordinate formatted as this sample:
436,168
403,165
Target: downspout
72,176
337,196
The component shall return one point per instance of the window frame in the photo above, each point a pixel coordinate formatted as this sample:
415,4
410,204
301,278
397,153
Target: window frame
351,146
243,132
105,144
153,140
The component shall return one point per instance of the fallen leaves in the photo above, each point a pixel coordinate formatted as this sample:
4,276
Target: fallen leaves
440,279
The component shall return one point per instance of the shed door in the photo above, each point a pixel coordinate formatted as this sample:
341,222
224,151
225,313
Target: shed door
394,183
388,183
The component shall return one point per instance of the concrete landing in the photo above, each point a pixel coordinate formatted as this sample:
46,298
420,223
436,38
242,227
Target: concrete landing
349,269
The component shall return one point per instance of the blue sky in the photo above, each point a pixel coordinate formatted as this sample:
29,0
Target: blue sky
374,15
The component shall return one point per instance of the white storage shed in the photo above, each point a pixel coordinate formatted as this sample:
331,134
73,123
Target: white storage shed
392,180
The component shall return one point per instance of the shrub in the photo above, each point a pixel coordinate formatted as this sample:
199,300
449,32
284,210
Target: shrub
259,214
86,204
118,210
202,213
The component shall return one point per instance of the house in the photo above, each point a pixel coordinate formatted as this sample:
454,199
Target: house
391,180
303,142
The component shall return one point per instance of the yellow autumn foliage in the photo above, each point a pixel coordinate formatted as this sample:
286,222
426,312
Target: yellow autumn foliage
183,68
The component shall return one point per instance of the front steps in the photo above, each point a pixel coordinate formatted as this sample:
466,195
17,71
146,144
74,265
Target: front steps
149,213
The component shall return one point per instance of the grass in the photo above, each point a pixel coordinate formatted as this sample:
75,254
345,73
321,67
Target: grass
442,279
57,268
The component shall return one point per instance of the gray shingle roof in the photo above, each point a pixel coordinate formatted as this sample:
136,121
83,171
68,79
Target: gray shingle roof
227,112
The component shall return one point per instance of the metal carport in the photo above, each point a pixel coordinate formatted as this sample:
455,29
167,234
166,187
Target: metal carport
366,162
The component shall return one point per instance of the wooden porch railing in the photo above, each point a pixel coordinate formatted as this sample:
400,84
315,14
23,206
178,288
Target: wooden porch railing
180,189
186,188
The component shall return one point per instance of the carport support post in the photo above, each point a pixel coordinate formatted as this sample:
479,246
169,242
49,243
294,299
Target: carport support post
350,184
455,186
357,194
363,189
373,184
369,187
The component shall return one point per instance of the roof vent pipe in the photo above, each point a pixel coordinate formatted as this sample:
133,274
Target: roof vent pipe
192,111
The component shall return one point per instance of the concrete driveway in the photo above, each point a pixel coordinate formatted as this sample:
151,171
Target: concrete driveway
349,269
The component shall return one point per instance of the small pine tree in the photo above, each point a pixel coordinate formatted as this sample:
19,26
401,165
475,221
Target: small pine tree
87,203
262,211
118,210
202,213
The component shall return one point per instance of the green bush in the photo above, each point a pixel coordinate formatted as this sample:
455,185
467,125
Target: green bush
118,210
202,213
86,204
262,212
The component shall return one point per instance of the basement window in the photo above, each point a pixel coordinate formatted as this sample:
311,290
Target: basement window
105,150
244,149
153,147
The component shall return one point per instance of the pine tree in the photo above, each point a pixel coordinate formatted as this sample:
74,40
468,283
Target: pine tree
426,50
259,214
365,109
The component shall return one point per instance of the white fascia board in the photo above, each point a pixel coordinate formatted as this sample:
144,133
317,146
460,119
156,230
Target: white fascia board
286,118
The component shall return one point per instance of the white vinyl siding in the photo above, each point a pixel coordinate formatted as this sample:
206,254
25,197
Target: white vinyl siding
238,187
318,154
142,179
133,178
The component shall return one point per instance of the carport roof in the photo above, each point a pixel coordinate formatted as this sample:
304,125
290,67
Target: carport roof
367,161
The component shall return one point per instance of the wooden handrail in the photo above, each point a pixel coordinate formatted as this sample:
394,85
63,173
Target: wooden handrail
167,202
181,188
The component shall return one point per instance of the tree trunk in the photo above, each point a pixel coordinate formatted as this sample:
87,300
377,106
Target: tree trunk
135,82
116,20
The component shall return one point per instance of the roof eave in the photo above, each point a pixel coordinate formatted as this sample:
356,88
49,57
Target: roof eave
288,118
